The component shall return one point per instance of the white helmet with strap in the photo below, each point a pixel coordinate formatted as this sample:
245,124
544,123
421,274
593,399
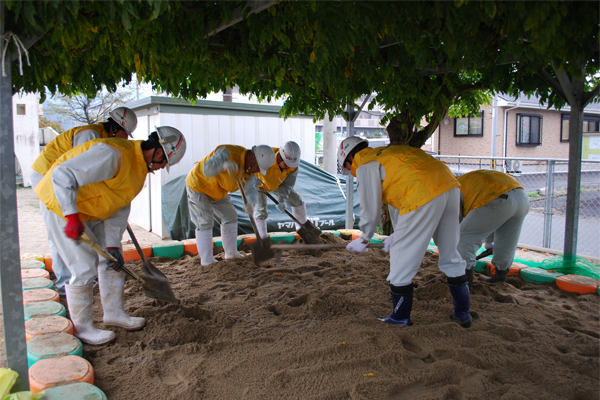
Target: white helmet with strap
126,118
290,153
265,157
346,147
173,144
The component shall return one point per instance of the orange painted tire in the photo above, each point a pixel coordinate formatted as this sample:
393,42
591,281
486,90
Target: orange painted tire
59,371
577,284
189,246
39,326
297,236
514,270
34,273
130,253
250,239
48,262
34,295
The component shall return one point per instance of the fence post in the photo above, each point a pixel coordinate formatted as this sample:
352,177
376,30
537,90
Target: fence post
547,240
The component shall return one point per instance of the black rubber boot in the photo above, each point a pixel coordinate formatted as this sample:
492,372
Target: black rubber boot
402,300
459,288
469,273
498,277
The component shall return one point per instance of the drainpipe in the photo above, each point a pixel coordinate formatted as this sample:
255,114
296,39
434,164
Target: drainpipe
494,126
506,132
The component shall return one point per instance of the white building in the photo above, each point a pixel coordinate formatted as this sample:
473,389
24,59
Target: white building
26,132
205,125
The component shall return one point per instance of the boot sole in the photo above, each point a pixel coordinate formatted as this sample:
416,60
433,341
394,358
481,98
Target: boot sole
97,344
126,328
466,324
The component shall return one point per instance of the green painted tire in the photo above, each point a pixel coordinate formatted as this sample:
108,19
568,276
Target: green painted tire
169,249
539,275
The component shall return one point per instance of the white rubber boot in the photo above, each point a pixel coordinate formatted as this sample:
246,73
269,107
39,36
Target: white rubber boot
204,244
80,302
300,214
262,228
229,238
111,292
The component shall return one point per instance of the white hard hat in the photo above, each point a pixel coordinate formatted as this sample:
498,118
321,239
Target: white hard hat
346,147
290,153
126,118
265,157
173,144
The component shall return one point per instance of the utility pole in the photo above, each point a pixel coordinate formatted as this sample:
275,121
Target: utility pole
10,267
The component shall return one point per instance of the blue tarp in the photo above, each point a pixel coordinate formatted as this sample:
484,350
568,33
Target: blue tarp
320,190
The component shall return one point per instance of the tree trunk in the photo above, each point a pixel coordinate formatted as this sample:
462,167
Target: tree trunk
401,131
386,222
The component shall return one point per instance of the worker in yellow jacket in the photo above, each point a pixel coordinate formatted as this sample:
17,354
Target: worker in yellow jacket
84,188
208,185
280,180
121,123
493,208
423,199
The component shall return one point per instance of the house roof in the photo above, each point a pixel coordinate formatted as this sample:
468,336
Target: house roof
158,104
533,102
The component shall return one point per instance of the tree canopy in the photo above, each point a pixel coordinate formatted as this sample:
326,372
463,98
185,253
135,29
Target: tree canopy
419,58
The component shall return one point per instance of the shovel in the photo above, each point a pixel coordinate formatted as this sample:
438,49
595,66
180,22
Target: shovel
485,254
153,287
308,231
261,249
278,248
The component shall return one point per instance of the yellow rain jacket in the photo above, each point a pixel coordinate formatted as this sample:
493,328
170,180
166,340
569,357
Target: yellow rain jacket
412,177
217,187
482,186
60,145
275,176
102,199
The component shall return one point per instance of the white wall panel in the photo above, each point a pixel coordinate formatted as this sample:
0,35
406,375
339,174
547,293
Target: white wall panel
140,206
203,134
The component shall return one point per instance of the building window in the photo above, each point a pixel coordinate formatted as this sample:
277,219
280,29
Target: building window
529,130
20,109
469,126
591,124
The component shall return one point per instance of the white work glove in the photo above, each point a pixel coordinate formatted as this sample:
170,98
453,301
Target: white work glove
357,245
488,246
387,243
281,206
232,167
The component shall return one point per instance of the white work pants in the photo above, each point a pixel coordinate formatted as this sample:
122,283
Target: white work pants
203,210
58,265
437,219
81,260
260,211
500,218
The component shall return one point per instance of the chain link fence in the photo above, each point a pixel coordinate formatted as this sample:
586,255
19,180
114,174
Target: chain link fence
545,182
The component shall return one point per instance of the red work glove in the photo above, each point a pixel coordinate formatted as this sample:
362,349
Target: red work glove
74,227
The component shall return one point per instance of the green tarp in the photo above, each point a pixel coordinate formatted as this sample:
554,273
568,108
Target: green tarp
321,191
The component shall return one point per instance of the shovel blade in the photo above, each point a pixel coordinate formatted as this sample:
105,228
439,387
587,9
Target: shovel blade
261,251
159,290
309,232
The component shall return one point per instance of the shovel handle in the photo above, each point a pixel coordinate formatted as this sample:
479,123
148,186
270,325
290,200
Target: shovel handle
285,247
269,195
88,240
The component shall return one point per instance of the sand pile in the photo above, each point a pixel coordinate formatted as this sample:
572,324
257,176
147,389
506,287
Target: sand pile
309,330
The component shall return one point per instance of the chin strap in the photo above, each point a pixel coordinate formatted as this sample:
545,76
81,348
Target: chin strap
247,170
152,159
